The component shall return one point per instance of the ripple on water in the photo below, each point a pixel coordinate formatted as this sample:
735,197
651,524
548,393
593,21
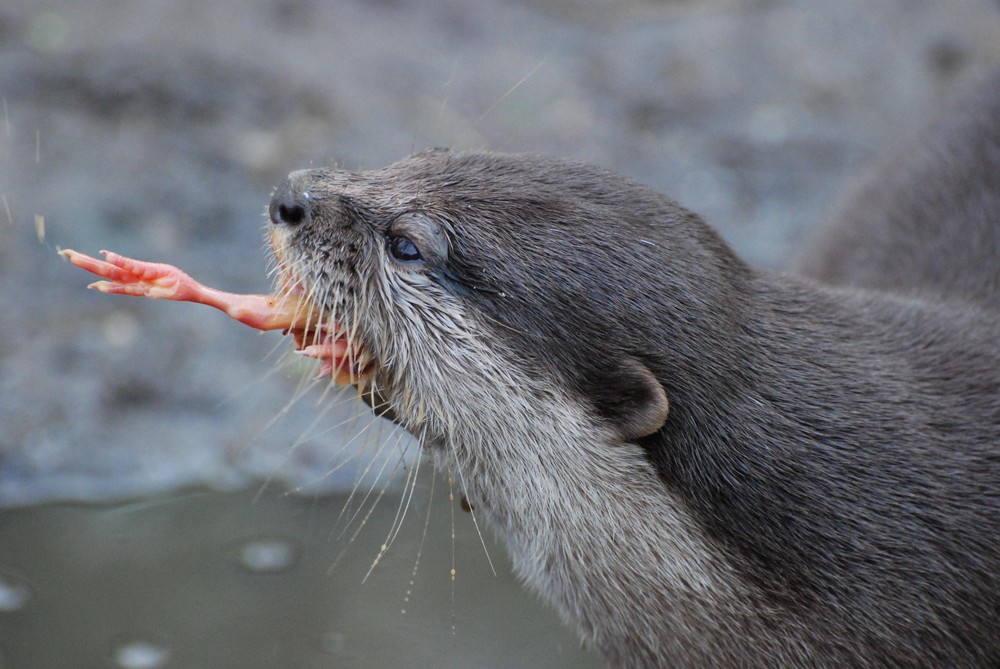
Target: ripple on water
141,654
268,555
14,593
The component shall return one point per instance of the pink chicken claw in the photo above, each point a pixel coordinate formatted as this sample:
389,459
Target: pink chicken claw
126,276
290,313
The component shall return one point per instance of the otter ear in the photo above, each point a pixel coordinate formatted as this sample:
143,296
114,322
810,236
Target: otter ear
632,400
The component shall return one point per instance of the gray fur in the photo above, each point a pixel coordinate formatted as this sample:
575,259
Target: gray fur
697,464
924,220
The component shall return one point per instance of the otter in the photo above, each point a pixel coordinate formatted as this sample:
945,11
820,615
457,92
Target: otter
696,463
699,464
924,221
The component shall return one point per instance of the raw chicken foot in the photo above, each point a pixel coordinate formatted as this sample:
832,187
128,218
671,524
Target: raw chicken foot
290,313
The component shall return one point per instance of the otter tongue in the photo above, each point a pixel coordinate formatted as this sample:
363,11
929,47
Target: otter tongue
126,276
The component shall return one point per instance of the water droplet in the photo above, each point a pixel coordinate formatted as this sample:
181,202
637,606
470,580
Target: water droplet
14,593
141,654
40,228
268,556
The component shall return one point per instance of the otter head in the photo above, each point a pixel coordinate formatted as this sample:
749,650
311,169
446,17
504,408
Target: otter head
453,277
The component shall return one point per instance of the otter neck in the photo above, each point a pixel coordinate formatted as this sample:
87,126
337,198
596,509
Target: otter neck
582,515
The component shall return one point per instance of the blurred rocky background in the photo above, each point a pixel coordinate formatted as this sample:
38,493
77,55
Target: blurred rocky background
157,129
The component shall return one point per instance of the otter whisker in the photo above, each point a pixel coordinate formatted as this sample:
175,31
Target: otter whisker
454,572
304,435
349,519
365,518
439,117
302,388
409,487
404,504
510,90
472,512
364,473
354,452
423,538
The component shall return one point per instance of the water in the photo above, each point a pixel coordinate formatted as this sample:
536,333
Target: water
203,579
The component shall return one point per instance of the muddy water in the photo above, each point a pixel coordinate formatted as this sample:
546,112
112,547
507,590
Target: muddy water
200,579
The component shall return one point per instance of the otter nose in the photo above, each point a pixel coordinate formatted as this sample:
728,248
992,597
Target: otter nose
289,206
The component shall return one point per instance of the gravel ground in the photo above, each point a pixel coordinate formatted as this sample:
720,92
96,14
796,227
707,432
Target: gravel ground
157,129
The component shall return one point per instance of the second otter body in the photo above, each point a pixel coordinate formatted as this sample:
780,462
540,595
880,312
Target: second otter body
698,464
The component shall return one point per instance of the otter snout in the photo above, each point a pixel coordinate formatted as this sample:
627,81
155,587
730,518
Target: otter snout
290,205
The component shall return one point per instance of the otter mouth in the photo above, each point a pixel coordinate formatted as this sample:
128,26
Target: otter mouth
341,357
342,354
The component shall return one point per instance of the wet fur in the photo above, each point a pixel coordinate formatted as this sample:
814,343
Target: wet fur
698,464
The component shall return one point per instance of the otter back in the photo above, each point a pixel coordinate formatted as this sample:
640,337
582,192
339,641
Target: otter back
926,220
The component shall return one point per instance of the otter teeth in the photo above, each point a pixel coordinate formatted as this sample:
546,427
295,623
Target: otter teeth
346,363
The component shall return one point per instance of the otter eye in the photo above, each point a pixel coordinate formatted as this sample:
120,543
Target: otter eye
404,250
416,240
